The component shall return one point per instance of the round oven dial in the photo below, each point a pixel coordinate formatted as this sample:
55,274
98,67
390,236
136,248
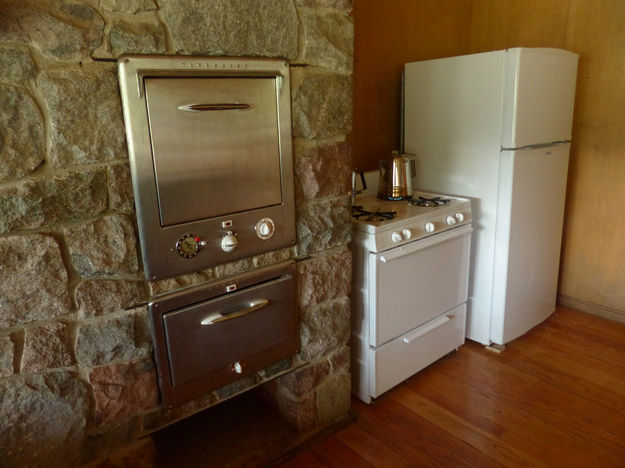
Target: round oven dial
451,220
265,228
188,245
396,236
229,242
429,227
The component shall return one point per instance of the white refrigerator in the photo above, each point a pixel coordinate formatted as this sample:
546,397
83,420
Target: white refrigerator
496,127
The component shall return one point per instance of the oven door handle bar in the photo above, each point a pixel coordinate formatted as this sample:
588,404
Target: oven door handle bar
216,317
437,323
214,107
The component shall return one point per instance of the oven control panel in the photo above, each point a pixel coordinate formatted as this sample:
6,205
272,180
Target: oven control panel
414,229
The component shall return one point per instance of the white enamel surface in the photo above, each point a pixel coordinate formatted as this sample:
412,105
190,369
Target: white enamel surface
528,239
413,284
538,97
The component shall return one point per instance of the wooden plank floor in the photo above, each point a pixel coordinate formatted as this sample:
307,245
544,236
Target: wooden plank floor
554,397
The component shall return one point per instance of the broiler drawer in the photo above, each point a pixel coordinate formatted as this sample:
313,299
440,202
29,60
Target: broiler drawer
212,342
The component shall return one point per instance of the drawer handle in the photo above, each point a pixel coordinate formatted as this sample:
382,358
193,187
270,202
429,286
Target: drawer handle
439,322
214,107
217,317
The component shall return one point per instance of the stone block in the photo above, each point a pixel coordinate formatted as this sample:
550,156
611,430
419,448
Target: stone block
324,278
303,380
123,390
345,5
22,129
324,327
99,297
105,246
7,352
85,115
46,347
42,419
31,204
333,398
136,37
120,187
328,40
242,28
299,413
270,258
59,30
340,360
34,282
127,6
170,284
323,170
16,65
232,268
321,104
323,224
119,338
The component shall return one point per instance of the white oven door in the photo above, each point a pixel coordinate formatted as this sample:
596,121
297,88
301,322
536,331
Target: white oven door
416,282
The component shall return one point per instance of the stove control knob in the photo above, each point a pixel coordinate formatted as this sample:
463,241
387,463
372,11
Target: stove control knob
407,233
396,236
450,220
429,227
265,228
229,242
459,217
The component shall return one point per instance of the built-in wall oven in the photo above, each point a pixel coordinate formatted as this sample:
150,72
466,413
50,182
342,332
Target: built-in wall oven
210,151
409,291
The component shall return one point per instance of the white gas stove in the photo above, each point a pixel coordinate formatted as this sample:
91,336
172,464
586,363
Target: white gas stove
409,290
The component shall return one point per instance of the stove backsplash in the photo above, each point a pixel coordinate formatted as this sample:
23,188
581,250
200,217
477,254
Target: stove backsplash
77,375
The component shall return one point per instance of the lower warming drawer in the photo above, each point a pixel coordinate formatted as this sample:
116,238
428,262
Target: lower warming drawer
211,335
402,357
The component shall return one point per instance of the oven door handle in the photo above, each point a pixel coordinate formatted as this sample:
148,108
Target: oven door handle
437,323
216,317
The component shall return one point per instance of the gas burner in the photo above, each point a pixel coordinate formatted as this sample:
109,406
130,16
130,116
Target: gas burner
359,212
436,201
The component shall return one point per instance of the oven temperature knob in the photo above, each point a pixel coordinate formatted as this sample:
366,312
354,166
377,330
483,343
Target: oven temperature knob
459,217
429,227
396,236
407,233
451,220
265,228
229,242
189,245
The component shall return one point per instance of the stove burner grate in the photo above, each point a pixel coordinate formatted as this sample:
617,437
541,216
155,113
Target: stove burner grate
359,212
436,201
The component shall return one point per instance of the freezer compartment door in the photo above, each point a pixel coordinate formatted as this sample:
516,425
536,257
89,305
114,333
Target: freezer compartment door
539,94
417,282
528,238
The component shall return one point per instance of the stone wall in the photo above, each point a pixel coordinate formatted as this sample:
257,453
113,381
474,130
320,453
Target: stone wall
77,374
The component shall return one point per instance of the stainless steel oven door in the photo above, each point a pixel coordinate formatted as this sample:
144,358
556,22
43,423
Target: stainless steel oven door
215,146
417,282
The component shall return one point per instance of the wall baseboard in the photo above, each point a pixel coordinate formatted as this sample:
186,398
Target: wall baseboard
592,308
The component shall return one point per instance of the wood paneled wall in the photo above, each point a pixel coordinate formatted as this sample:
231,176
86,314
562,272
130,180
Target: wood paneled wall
390,33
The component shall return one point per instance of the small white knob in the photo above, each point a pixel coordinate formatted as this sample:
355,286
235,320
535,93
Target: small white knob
265,228
237,367
429,227
407,233
396,236
459,217
451,220
229,242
